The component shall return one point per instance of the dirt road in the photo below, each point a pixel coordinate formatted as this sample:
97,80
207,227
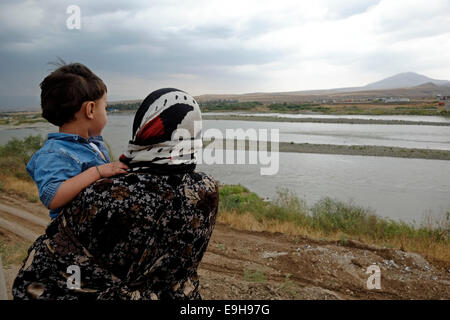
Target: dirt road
261,265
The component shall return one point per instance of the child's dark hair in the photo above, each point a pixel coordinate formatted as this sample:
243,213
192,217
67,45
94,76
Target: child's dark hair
64,90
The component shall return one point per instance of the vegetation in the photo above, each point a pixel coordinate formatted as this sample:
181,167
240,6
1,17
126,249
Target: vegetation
293,107
372,108
124,106
289,286
228,105
13,158
16,153
252,275
331,219
18,118
13,253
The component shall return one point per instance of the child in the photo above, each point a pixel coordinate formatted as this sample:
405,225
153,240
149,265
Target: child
74,99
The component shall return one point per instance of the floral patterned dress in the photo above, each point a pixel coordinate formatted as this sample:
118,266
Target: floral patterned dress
135,236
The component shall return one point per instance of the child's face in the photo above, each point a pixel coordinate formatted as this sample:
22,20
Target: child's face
100,117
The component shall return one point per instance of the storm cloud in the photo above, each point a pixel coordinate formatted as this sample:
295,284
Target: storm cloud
222,46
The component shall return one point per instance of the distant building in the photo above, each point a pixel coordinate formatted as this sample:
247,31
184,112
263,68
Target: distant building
447,102
394,99
446,99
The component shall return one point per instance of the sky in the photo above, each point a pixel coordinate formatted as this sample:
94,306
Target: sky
201,47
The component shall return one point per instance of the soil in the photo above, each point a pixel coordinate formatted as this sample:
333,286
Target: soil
241,264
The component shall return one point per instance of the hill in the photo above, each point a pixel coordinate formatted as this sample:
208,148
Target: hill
407,85
403,85
405,79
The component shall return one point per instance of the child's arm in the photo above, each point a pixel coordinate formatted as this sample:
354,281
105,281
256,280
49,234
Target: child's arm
70,188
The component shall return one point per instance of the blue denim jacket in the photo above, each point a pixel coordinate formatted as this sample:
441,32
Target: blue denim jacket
63,156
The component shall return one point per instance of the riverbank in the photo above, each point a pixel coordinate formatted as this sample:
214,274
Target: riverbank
311,119
18,120
362,150
418,107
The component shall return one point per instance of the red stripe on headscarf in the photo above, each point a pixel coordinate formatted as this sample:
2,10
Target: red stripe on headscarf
124,159
154,128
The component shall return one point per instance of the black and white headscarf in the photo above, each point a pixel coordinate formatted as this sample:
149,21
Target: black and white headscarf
167,133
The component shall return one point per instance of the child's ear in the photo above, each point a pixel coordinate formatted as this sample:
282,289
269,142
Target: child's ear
88,108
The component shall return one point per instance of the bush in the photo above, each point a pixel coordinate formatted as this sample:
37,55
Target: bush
22,149
329,216
225,105
332,215
15,154
295,107
239,199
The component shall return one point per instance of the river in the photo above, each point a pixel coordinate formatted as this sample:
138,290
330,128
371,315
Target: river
397,188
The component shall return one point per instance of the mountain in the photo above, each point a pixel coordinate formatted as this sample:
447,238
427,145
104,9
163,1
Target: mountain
404,80
407,85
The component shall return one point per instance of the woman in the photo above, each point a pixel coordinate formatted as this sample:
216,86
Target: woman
139,235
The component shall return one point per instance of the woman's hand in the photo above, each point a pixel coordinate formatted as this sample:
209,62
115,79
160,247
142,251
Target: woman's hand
112,169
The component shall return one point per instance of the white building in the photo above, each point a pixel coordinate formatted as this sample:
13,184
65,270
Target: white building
393,99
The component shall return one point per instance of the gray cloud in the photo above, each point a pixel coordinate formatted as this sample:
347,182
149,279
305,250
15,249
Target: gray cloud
215,46
345,9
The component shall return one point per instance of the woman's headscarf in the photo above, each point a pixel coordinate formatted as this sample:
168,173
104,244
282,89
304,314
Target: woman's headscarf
166,133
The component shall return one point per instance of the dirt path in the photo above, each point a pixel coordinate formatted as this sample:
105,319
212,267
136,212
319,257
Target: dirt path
306,269
261,265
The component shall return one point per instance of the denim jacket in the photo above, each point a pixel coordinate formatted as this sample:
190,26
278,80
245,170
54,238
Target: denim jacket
63,156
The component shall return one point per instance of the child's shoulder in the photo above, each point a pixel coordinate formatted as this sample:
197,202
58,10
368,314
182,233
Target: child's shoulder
53,150
55,147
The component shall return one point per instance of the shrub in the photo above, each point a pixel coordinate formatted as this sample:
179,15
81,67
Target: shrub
254,275
15,154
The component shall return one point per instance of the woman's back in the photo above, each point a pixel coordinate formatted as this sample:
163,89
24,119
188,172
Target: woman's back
137,236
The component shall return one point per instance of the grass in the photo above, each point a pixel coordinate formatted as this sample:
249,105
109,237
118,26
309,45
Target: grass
228,105
13,253
24,188
293,107
288,285
13,158
366,108
331,219
252,275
